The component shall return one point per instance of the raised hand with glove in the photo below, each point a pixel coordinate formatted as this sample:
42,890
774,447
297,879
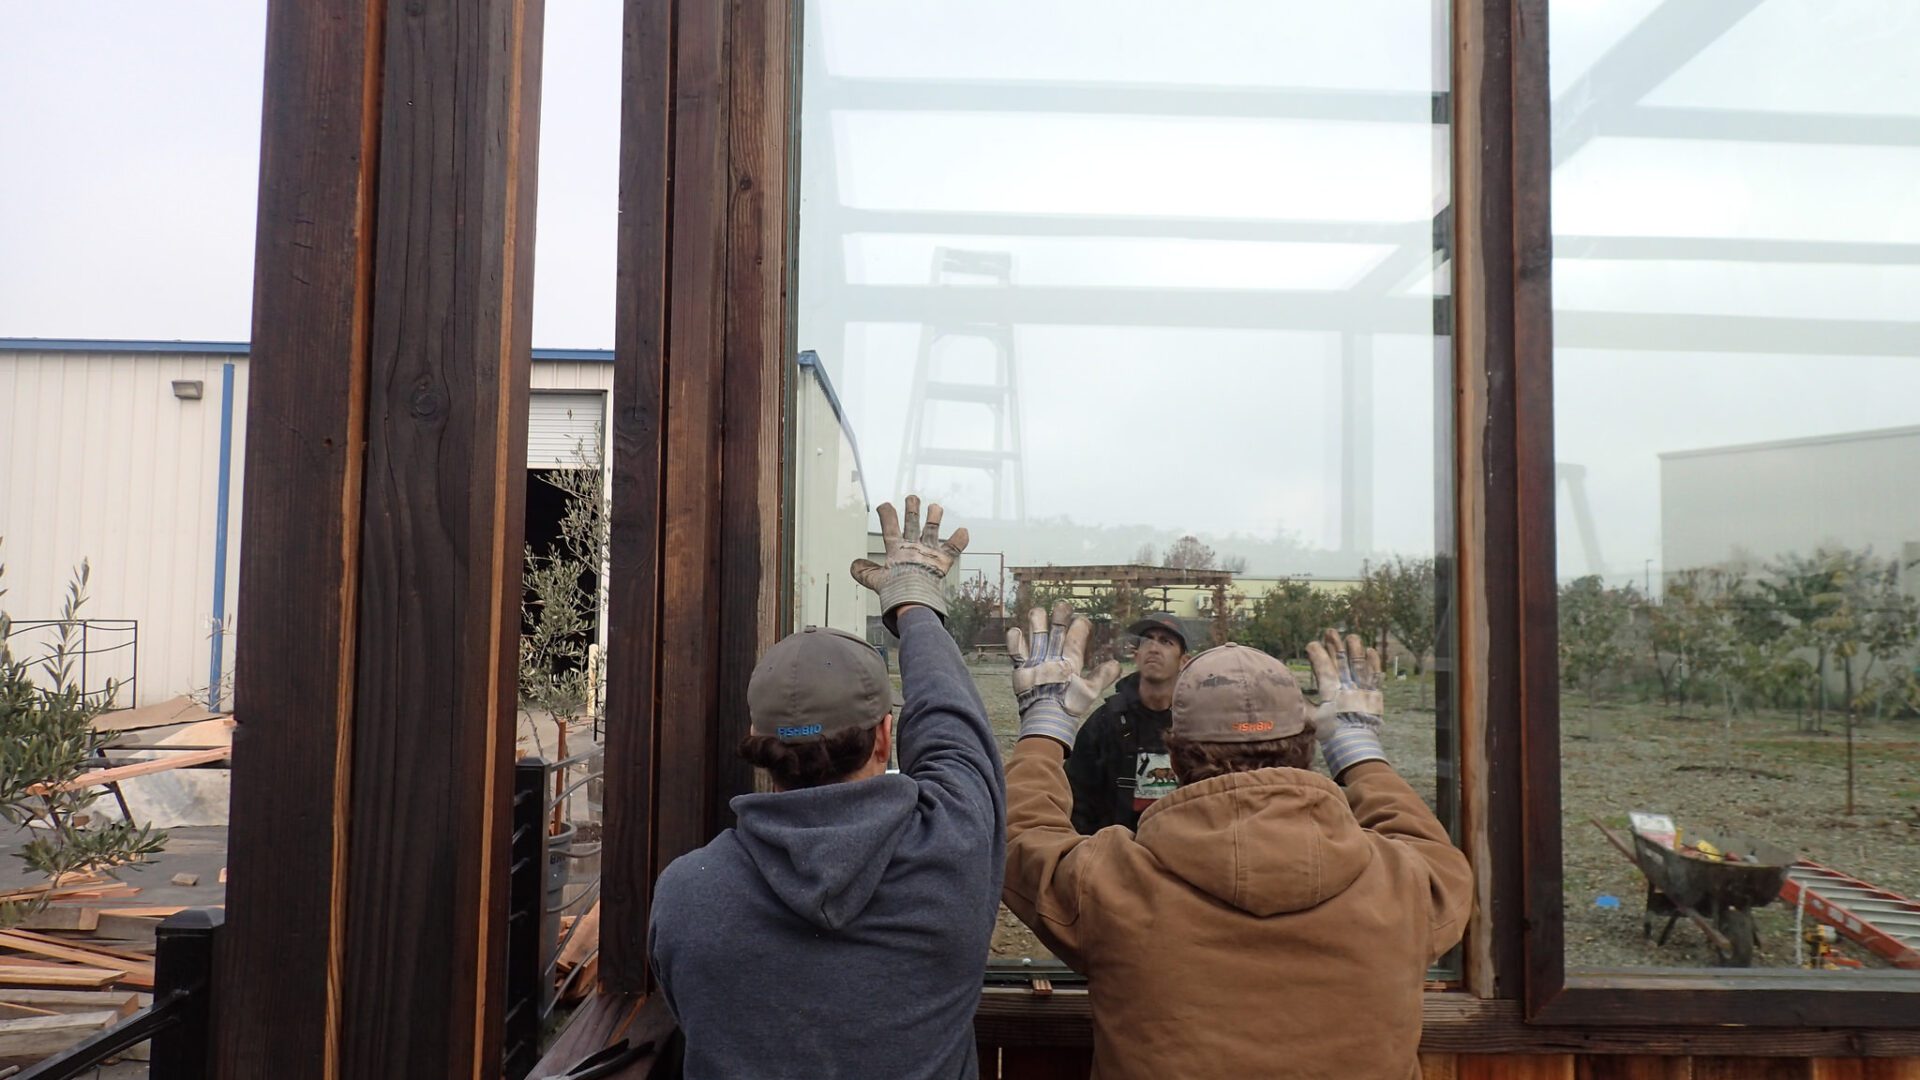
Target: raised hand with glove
1347,721
1053,694
917,562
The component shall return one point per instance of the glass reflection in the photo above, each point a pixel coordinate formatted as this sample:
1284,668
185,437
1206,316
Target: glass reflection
1736,377
1153,300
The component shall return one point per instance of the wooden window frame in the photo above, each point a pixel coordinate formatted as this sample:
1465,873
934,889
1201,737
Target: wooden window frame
702,520
1871,1012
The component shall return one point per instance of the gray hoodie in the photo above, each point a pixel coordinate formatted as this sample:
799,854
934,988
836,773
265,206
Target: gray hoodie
841,931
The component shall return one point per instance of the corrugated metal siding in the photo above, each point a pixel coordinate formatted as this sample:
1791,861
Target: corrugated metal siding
564,429
99,461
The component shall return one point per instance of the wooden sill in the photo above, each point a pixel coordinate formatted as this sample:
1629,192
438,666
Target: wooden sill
1456,1022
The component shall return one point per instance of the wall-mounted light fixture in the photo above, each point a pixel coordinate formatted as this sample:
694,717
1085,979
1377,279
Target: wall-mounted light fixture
189,389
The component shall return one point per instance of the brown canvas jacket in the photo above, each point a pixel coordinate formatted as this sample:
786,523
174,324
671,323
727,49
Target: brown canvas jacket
1262,924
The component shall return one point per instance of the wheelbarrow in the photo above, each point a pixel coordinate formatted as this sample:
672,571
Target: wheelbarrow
1715,880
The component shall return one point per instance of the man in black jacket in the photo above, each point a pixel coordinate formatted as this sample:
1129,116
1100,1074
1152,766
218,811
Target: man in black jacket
1119,764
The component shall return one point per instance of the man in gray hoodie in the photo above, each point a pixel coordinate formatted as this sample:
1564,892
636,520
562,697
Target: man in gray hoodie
840,929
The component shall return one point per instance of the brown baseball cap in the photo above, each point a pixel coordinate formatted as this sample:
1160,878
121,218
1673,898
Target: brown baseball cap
816,682
1234,694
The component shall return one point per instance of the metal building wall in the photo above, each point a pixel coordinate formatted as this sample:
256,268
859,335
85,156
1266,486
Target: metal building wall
1765,500
100,461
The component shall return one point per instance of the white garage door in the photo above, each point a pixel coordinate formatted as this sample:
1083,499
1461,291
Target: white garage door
563,429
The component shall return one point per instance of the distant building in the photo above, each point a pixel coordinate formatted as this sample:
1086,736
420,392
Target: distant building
1747,505
831,531
124,454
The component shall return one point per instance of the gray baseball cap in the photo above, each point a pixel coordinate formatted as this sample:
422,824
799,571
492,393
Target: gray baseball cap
817,682
1166,621
1236,694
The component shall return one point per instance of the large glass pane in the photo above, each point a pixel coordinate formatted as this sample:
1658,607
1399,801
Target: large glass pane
1153,298
1737,389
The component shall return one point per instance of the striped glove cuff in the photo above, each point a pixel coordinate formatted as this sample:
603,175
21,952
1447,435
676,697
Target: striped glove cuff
1349,746
1048,717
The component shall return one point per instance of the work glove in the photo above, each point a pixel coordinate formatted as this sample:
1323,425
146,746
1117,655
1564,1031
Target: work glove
917,562
1054,696
1347,720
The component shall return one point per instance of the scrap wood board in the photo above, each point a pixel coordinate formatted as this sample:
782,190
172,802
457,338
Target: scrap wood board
17,974
35,1037
132,973
180,760
54,1001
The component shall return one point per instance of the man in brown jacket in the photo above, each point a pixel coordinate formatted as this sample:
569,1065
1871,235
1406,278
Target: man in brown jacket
1264,921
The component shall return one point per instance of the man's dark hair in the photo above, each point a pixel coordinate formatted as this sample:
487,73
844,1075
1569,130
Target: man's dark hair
1194,761
810,764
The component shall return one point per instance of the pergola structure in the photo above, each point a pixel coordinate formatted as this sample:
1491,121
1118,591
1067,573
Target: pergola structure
380,577
1131,584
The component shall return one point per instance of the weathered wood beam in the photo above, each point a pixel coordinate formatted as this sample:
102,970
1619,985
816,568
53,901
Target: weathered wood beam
387,433
636,512
306,427
701,362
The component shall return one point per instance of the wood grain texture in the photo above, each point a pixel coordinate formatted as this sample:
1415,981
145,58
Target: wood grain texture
690,557
444,510
756,365
1458,1023
1514,1067
1632,1067
601,1021
306,406
1537,661
636,512
1487,529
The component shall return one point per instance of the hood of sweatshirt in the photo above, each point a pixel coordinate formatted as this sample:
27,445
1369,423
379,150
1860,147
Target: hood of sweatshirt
823,851
1265,842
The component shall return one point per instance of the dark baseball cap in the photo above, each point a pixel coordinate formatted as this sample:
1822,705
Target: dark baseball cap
817,682
1165,621
1234,694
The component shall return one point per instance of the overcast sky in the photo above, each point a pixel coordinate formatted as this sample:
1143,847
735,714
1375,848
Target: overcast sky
130,134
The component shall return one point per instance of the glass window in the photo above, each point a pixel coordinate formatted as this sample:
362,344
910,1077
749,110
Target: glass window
1153,299
1737,389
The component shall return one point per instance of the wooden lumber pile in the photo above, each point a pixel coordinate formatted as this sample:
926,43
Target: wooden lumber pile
36,1024
75,941
581,951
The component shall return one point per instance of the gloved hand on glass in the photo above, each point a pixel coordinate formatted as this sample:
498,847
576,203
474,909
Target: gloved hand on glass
1054,695
1347,721
917,562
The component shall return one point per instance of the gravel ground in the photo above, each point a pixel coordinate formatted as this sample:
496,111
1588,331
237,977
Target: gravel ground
1761,777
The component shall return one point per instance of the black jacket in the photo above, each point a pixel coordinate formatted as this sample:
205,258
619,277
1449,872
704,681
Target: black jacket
1106,756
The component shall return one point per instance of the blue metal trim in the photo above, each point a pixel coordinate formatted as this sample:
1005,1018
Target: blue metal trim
227,348
809,361
222,348
215,665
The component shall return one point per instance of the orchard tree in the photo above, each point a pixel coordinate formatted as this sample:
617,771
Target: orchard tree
1690,631
1805,591
1594,624
1290,615
969,610
1369,607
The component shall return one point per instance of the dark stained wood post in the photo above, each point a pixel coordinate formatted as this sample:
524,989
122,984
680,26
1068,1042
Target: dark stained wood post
700,368
380,581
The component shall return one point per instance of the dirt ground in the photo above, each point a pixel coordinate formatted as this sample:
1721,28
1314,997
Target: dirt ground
1759,776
